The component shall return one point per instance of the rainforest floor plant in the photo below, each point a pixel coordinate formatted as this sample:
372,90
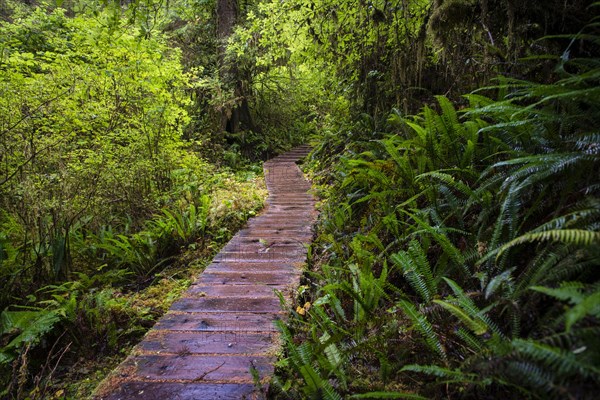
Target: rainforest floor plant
457,253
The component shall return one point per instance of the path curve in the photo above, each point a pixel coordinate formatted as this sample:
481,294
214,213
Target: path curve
207,344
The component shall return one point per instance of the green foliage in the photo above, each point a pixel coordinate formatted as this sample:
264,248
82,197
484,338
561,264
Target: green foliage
100,190
91,123
24,328
584,304
386,395
489,216
421,323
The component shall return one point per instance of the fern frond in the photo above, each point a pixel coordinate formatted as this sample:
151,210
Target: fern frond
477,326
416,269
477,101
584,304
438,235
473,342
447,374
568,291
530,374
505,278
313,381
590,305
580,218
421,323
560,361
335,358
387,395
578,237
305,353
588,143
563,93
31,326
449,180
468,307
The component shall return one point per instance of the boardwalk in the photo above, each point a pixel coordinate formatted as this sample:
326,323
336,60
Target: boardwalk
218,341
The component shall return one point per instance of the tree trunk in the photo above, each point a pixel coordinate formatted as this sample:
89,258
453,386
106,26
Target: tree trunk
238,118
227,14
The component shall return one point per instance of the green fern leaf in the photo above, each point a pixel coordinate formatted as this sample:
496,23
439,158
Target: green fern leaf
579,237
449,180
477,326
473,342
416,270
505,278
441,372
31,325
568,291
473,312
423,326
438,234
562,362
573,293
312,379
588,306
387,395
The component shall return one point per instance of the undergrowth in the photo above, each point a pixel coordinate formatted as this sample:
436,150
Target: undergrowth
63,338
457,250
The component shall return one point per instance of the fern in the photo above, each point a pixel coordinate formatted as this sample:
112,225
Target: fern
529,374
568,291
467,307
423,326
316,386
543,268
438,234
416,270
387,395
474,343
590,305
562,363
450,180
335,358
476,325
503,279
450,195
447,374
29,326
578,237
583,304
583,217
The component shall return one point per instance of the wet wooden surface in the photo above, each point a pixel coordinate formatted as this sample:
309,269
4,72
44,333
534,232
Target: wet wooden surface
219,340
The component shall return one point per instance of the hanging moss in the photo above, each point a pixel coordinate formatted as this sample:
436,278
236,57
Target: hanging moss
449,14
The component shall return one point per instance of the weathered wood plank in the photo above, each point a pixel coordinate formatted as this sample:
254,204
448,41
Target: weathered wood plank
140,390
196,368
183,343
210,322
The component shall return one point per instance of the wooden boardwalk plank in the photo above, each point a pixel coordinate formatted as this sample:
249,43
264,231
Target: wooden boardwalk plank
210,322
140,390
182,342
197,368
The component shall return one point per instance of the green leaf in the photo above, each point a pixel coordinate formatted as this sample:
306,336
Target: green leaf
579,237
31,326
421,323
589,306
387,395
477,326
